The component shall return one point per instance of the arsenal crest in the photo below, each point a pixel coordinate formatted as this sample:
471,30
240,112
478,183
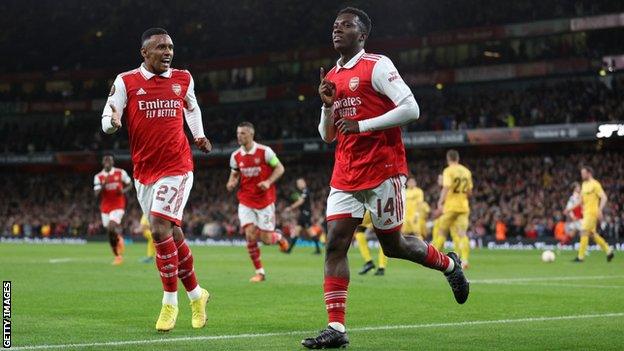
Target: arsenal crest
353,83
177,89
257,160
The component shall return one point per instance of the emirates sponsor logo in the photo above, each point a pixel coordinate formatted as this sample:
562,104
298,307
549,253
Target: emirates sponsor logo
347,107
250,172
156,104
354,83
177,89
347,102
160,108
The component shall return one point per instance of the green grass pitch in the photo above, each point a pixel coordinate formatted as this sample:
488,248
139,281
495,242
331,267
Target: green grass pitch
70,294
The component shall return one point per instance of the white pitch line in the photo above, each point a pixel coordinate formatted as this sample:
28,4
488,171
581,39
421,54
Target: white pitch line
352,330
61,260
583,286
542,279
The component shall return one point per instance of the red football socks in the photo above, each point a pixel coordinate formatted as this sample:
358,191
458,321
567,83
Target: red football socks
254,253
186,272
335,289
436,259
167,263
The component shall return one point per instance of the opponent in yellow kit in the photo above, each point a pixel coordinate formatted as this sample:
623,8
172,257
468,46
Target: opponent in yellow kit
453,202
593,200
360,236
147,234
438,240
416,211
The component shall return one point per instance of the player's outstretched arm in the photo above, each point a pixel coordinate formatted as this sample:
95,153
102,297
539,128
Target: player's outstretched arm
327,92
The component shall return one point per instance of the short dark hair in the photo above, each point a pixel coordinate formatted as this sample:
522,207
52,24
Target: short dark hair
246,124
365,22
152,31
588,169
108,154
452,155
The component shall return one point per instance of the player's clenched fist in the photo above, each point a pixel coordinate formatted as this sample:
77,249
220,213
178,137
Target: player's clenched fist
203,144
327,90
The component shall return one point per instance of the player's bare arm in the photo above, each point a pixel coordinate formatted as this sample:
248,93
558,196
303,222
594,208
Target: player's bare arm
603,203
233,180
443,193
278,171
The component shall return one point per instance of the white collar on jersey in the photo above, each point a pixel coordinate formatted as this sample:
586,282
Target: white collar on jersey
250,152
148,75
351,62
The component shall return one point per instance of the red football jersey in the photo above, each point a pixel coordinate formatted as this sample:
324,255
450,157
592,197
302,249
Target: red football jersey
575,206
154,113
254,168
578,212
111,184
366,87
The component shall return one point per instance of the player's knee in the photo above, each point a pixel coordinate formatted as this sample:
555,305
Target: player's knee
266,237
338,244
161,228
391,251
178,234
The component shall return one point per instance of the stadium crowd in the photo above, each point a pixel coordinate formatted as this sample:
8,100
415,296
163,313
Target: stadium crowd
563,101
524,195
250,28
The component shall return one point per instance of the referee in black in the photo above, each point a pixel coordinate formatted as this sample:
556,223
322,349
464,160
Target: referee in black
303,201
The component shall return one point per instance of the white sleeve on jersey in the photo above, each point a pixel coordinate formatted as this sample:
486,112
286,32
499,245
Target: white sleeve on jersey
125,178
268,154
573,201
233,164
97,185
387,81
326,127
192,112
118,98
